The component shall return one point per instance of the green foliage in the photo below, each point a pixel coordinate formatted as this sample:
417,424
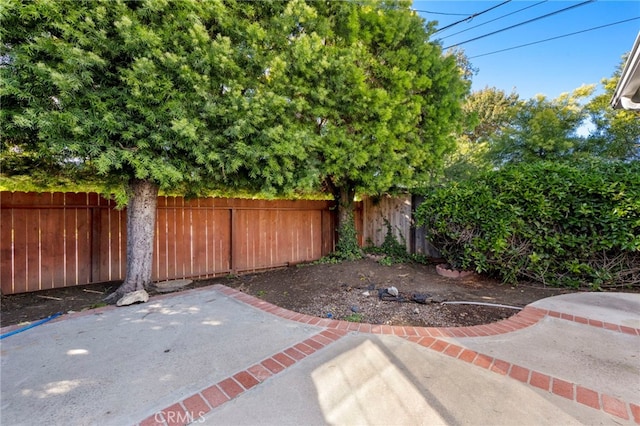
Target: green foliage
21,183
421,258
394,251
487,112
542,129
170,92
386,261
270,97
573,225
327,260
500,129
347,247
376,102
149,95
97,305
355,317
617,132
468,160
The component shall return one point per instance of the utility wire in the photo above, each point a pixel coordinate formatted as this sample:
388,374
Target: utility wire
495,19
520,24
555,38
440,13
471,16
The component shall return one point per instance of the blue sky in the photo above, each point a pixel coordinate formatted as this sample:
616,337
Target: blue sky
549,68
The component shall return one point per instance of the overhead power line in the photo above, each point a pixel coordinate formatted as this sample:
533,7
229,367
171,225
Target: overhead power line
472,16
440,13
555,38
495,19
521,23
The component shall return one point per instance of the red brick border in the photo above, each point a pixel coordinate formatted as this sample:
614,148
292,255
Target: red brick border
525,318
528,316
572,391
195,406
192,408
429,337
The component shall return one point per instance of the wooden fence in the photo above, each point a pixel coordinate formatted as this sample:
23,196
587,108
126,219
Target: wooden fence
52,240
419,241
398,212
394,210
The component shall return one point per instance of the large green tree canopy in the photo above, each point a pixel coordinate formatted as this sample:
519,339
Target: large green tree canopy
501,129
542,129
166,91
378,101
186,95
616,133
152,94
487,114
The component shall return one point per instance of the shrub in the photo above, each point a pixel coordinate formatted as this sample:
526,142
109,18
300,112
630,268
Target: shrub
574,225
347,247
394,250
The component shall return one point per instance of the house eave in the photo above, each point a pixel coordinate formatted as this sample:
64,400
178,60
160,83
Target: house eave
627,92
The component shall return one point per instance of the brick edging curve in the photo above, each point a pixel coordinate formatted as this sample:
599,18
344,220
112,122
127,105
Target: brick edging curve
200,403
529,316
429,337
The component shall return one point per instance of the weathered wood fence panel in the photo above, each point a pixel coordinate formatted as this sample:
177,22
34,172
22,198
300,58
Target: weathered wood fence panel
50,240
193,239
398,211
395,210
420,243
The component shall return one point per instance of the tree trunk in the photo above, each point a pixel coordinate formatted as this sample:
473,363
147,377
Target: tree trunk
347,245
141,224
344,199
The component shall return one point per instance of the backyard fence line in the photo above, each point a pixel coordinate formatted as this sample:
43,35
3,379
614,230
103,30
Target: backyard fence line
396,212
384,211
52,240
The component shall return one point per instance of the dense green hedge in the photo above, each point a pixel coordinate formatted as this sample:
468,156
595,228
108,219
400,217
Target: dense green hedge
572,225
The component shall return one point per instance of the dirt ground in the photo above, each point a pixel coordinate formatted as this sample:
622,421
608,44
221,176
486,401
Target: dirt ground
359,291
354,291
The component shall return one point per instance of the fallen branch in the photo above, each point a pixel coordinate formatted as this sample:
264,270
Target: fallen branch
48,297
93,291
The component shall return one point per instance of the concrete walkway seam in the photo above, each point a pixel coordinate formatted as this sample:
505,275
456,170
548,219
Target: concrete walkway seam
191,408
429,338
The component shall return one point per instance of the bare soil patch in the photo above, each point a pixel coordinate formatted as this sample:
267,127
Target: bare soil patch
353,291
